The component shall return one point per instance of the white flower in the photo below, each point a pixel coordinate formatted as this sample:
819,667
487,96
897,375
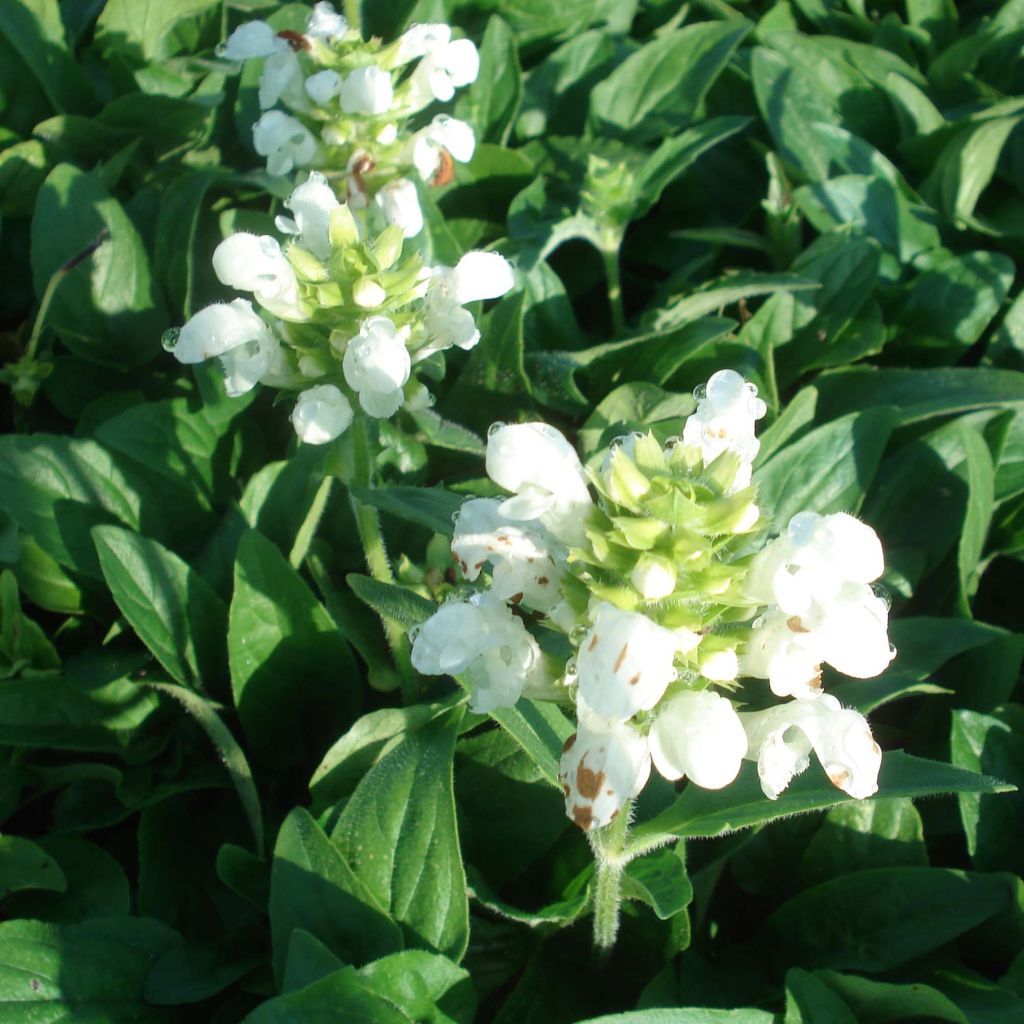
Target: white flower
400,204
781,739
625,663
481,640
321,414
377,365
541,468
259,361
418,40
478,275
783,651
813,559
698,734
282,79
724,421
253,39
443,133
654,577
359,163
527,561
323,86
255,263
284,141
312,203
602,767
367,90
367,293
719,666
218,329
443,69
325,23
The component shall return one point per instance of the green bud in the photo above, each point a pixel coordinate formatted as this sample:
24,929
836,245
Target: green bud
341,227
306,265
387,247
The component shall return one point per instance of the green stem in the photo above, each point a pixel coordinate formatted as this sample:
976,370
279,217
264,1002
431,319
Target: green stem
609,851
307,530
368,526
611,269
354,14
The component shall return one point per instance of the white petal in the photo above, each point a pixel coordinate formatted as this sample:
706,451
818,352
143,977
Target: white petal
218,329
482,275
323,86
321,414
253,39
325,22
400,204
462,62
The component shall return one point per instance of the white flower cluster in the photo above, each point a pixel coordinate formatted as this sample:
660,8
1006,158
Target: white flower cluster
347,104
345,319
668,594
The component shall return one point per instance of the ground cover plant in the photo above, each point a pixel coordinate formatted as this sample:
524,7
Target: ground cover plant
511,511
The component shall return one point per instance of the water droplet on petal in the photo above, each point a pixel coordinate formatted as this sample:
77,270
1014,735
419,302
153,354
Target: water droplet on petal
751,388
700,392
570,667
577,635
220,49
170,338
413,633
882,594
494,428
671,442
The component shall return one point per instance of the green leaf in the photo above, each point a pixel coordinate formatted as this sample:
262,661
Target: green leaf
107,308
432,507
687,1015
492,103
541,729
339,996
23,168
393,602
664,82
312,887
877,919
444,433
980,505
865,833
172,609
879,1001
24,865
809,1000
631,407
660,881
146,30
398,832
35,30
91,971
991,743
423,985
707,813
294,679
194,972
309,960
231,755
828,469
373,736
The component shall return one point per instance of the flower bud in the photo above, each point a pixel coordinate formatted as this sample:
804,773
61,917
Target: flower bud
367,90
654,577
367,294
323,86
400,204
321,414
341,227
698,734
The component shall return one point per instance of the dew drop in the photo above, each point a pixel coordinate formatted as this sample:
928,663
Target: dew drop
170,338
672,441
751,388
220,49
577,634
413,633
892,650
494,428
882,594
570,667
700,392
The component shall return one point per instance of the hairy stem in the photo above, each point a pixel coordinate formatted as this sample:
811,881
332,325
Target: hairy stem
611,269
609,852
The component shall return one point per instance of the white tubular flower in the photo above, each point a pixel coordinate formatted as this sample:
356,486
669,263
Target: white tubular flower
325,22
367,90
481,640
400,204
624,663
541,468
527,561
443,133
323,86
253,39
321,414
418,40
282,78
218,329
284,141
478,275
699,735
312,203
602,767
255,263
377,365
259,361
724,421
442,70
813,559
781,739
783,651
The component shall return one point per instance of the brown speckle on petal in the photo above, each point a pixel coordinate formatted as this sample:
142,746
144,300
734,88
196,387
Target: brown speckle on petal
583,815
588,782
795,625
445,169
621,658
837,775
633,680
593,643
296,40
567,745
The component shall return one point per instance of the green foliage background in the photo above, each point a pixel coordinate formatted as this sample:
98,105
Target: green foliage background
214,804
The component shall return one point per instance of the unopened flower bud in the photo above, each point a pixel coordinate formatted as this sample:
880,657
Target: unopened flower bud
321,414
367,294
